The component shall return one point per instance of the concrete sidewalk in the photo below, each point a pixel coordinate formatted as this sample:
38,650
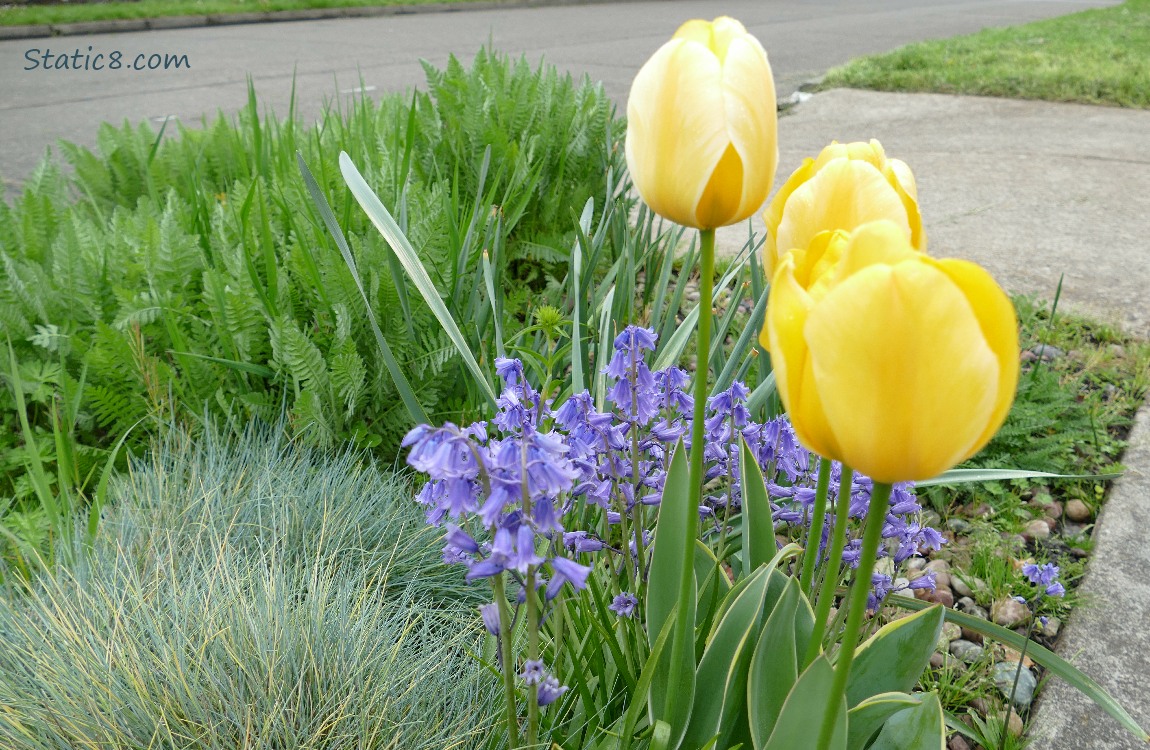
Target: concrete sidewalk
1032,190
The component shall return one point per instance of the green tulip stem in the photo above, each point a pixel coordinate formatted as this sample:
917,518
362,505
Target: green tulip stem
815,537
834,562
505,646
856,608
683,635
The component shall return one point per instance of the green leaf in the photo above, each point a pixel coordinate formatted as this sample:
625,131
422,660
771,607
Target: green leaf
643,686
712,583
865,719
803,710
725,661
672,549
965,476
742,344
1043,656
406,393
774,665
894,658
386,225
758,523
576,299
918,728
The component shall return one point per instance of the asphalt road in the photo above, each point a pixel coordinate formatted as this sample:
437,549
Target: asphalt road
329,58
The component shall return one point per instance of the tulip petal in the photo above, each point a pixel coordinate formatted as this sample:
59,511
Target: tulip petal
905,375
674,138
752,122
773,216
879,242
844,194
999,324
788,308
903,181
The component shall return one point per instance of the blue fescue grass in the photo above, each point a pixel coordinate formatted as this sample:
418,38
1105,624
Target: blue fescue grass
247,594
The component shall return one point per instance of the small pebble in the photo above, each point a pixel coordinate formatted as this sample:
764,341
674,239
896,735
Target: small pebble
939,566
1047,352
1051,627
1004,673
1078,511
950,632
966,651
959,525
1009,613
1037,529
957,743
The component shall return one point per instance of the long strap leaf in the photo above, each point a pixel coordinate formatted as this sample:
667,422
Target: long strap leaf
964,476
386,225
401,383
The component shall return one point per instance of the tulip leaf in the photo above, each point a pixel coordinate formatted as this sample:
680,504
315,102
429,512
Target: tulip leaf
965,476
713,584
1042,656
671,551
643,686
894,658
406,394
602,352
865,719
775,662
577,355
920,727
409,259
802,712
758,523
727,655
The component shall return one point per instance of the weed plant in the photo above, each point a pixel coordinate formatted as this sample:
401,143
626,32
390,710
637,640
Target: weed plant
246,594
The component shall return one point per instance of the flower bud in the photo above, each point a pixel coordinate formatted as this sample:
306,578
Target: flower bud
701,126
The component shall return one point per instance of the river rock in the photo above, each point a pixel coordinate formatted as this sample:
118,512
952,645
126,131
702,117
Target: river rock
1078,511
966,651
1003,674
1037,529
1009,613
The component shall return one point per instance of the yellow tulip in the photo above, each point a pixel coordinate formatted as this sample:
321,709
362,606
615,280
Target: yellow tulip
847,186
897,364
701,126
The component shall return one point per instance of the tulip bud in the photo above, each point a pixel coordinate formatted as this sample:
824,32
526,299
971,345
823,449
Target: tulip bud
896,364
847,186
701,126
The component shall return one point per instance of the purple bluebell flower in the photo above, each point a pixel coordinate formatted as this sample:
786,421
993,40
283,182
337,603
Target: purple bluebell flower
1044,576
581,541
490,615
533,672
550,691
566,571
624,604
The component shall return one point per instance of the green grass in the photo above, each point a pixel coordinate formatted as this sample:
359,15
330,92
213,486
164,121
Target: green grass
248,594
1099,56
21,15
